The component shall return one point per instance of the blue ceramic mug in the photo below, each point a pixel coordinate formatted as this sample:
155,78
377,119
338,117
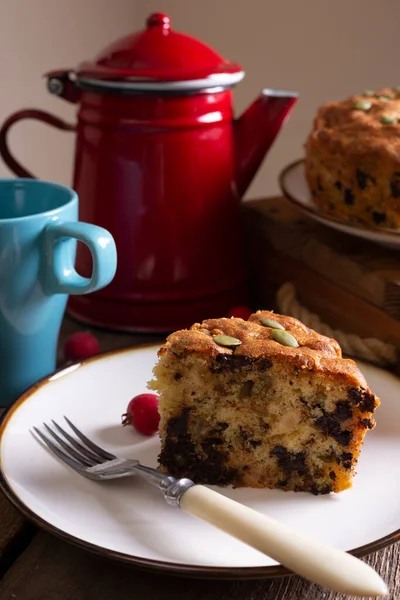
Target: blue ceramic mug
39,230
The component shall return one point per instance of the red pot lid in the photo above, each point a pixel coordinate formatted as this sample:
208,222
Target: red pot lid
158,54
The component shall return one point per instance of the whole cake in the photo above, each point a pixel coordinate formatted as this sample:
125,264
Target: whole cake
261,403
353,158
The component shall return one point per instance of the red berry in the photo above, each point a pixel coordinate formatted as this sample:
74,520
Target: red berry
81,345
142,413
240,312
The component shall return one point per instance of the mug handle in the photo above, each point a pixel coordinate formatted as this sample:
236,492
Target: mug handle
31,113
59,275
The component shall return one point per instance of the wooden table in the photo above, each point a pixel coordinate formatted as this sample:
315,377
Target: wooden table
37,566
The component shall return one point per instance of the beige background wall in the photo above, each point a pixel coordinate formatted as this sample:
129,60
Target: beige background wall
323,49
37,36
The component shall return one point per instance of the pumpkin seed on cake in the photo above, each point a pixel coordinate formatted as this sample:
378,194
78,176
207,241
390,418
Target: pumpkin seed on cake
265,402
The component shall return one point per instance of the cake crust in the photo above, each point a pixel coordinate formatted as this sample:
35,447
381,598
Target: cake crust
316,352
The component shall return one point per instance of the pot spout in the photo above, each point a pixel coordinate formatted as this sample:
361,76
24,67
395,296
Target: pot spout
256,130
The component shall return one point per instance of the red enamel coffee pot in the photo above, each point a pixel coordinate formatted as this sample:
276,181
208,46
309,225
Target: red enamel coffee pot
162,163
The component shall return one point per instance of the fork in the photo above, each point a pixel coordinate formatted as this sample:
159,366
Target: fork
314,560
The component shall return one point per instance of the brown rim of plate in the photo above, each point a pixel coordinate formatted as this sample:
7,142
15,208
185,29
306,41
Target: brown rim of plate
317,212
196,571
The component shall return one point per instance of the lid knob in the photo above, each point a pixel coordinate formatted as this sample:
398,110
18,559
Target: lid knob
159,20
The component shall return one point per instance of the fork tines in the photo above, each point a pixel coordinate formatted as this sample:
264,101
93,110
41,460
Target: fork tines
78,451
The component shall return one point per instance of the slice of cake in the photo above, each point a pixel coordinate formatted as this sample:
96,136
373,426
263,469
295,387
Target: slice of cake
261,403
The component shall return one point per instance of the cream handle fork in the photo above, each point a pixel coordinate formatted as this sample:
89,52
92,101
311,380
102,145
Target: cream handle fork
314,560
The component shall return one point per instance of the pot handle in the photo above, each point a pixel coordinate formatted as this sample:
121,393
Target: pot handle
31,113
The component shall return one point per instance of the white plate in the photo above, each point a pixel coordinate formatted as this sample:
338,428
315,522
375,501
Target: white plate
294,186
129,520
